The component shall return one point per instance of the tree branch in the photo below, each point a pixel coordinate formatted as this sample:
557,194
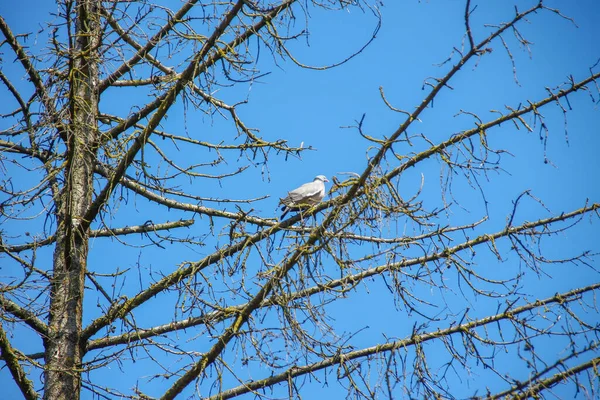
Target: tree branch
403,343
170,203
12,362
458,138
192,70
534,385
534,389
34,75
142,52
441,83
24,315
349,280
195,69
104,232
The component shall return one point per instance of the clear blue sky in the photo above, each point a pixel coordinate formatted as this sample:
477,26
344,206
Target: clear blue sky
313,107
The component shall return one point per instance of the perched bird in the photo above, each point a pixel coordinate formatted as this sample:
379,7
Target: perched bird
305,196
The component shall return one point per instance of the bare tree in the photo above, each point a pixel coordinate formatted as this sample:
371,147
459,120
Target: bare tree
252,312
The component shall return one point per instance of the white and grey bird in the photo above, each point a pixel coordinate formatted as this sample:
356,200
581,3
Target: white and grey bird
305,196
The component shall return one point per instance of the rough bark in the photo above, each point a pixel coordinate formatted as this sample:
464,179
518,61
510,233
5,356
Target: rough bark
63,345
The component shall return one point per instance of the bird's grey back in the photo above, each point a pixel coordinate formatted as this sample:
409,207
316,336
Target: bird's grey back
308,194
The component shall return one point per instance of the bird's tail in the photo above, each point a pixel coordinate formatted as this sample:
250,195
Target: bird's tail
285,210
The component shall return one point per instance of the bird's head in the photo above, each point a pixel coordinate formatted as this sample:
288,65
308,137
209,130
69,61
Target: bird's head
321,178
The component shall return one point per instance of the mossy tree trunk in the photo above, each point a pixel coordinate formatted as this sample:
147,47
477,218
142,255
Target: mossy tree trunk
64,350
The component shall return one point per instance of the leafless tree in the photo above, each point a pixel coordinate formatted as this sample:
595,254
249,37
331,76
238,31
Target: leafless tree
251,314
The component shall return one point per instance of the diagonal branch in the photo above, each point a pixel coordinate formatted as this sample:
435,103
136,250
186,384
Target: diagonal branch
24,108
533,107
34,76
150,195
357,189
347,281
532,390
531,387
486,238
458,138
243,316
441,83
509,314
12,362
24,59
142,52
193,268
197,68
24,314
167,100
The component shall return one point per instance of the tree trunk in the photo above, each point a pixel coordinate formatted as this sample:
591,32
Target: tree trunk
64,351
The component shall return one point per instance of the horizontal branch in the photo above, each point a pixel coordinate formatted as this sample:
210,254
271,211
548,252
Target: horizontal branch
142,190
253,144
10,147
148,227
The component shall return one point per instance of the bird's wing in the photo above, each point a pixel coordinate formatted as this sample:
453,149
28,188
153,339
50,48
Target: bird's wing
309,193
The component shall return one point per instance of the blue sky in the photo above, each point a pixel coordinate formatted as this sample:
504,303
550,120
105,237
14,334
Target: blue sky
316,107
